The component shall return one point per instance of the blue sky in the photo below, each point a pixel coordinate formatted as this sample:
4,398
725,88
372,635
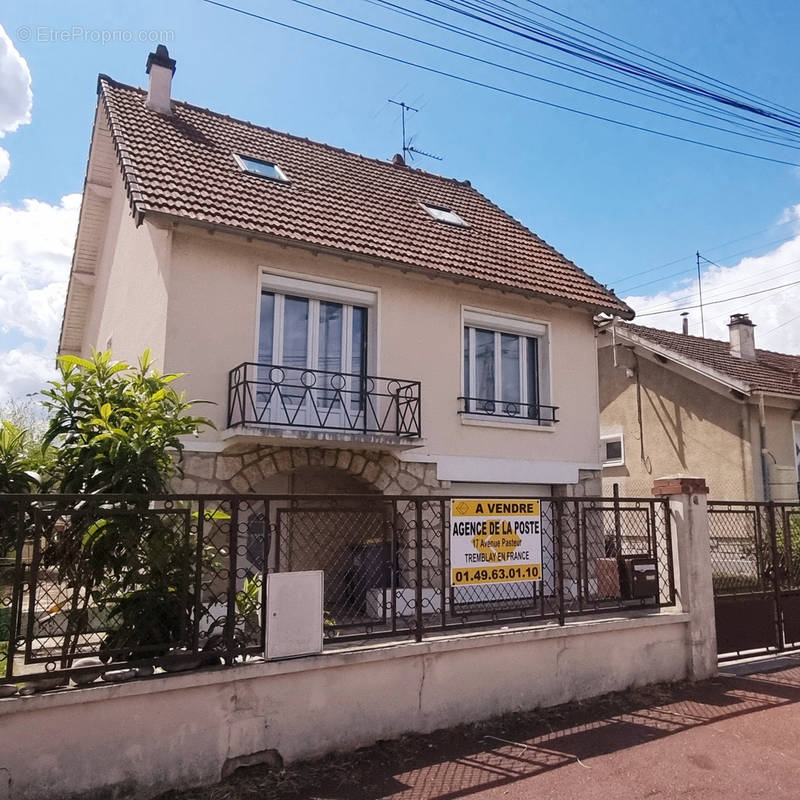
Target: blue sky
615,201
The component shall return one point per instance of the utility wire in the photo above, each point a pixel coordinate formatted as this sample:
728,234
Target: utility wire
716,302
661,58
670,97
494,88
497,65
708,249
747,282
609,61
629,289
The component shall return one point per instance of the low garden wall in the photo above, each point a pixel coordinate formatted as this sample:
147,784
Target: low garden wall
135,740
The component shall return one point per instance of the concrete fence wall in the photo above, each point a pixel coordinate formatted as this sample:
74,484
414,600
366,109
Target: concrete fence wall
110,742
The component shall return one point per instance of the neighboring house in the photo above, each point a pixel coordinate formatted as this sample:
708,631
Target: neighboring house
673,403
283,276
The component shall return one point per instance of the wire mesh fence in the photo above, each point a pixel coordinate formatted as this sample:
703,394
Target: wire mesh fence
755,563
178,582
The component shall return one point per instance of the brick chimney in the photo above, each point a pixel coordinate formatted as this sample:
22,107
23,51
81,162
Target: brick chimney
743,340
160,68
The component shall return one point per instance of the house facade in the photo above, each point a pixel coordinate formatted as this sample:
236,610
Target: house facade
358,325
671,403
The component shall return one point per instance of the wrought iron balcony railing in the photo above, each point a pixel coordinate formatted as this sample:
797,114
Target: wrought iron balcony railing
509,409
281,396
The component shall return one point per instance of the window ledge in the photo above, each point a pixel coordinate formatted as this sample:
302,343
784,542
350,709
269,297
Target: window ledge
483,421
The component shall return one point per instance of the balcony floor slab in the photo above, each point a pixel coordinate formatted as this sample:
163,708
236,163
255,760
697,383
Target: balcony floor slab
303,437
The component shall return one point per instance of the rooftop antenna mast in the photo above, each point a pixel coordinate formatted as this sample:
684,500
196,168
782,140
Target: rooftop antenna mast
408,149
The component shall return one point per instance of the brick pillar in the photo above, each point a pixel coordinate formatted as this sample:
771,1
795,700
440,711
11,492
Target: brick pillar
692,554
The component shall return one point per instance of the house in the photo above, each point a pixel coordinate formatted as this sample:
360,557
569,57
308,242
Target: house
360,325
672,403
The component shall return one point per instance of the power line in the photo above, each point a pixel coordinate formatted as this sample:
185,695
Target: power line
523,73
742,283
626,278
659,59
609,61
672,97
716,302
782,240
663,58
498,89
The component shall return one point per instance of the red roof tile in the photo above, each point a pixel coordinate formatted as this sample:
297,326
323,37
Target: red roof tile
770,372
183,165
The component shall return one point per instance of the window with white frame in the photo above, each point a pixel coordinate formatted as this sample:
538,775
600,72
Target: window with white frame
612,450
312,335
504,370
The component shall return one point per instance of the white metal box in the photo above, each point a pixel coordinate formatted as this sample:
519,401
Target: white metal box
294,614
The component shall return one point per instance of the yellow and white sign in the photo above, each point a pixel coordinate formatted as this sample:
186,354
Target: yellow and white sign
495,541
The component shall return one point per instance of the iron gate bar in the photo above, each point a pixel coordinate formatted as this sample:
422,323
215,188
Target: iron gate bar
774,580
776,589
422,556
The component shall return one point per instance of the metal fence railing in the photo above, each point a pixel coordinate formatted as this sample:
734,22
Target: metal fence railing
269,395
755,564
177,582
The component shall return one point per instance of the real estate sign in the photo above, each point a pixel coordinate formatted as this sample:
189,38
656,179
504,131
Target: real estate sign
495,541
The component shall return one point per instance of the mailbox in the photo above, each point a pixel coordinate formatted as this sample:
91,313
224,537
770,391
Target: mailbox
639,577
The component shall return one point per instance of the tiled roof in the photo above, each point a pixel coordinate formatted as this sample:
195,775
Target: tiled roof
770,372
183,165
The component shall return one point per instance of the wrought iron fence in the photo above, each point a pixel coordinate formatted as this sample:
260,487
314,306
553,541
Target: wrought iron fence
535,412
177,582
755,563
755,546
281,396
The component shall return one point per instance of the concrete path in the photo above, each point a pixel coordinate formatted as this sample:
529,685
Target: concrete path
737,736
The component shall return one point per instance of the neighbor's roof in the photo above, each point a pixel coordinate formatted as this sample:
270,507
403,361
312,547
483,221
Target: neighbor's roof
184,165
777,373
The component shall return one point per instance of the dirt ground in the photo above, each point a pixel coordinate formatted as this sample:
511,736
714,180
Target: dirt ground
737,735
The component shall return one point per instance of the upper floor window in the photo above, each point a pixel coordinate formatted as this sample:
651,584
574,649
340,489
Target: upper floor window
504,372
266,169
308,326
444,215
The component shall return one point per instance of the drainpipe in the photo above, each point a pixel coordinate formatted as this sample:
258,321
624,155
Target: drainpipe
762,433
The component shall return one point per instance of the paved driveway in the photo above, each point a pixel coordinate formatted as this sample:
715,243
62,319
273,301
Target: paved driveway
737,736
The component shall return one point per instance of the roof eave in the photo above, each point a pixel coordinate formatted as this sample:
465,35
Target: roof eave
689,363
400,265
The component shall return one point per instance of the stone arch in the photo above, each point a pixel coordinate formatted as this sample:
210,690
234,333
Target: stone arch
249,470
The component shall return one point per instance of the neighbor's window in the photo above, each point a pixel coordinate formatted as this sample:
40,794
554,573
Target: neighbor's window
444,215
503,374
266,169
613,451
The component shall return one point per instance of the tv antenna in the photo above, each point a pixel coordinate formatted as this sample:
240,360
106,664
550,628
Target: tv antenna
408,148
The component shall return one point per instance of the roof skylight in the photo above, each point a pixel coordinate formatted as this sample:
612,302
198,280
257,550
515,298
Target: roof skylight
444,215
266,169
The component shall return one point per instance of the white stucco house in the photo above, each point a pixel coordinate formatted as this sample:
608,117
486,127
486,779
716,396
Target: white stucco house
359,324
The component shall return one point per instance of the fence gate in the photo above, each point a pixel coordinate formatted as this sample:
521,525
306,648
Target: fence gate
755,560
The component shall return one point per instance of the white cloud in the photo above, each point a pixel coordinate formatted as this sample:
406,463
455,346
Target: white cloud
36,242
24,371
16,97
775,313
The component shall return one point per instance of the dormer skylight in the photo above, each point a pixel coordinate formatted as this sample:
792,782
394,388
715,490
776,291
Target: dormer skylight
445,215
266,169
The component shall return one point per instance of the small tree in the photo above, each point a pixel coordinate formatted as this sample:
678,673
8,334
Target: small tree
117,429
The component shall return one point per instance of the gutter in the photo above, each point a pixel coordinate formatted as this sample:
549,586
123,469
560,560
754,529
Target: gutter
762,435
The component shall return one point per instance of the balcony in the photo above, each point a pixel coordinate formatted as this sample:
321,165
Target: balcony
509,410
278,397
